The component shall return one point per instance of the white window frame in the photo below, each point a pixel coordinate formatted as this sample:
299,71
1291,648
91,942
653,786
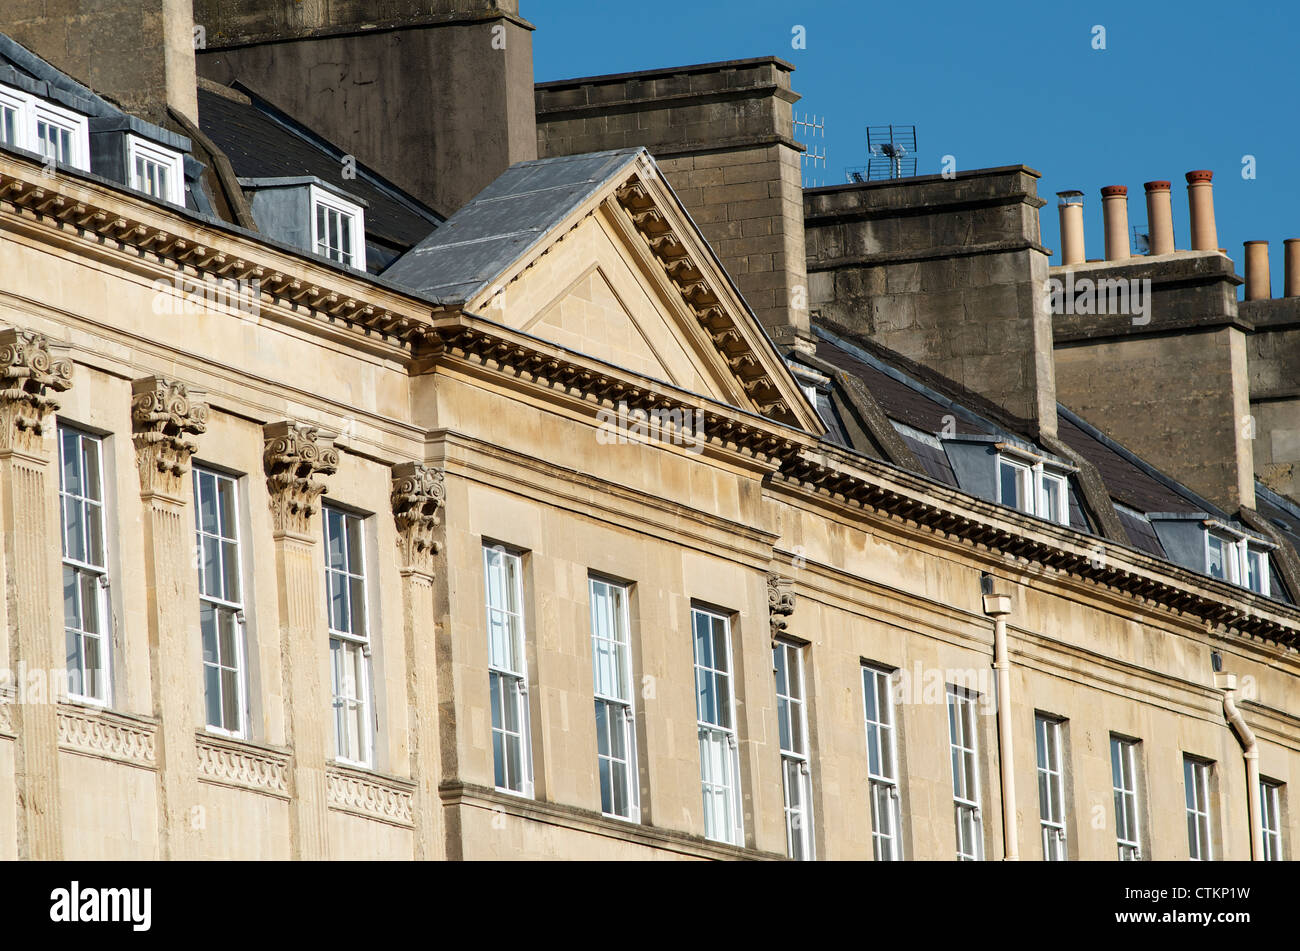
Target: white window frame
86,571
614,698
719,743
229,558
508,675
168,160
320,198
1031,482
882,763
349,690
963,740
1260,557
792,737
1049,749
32,110
1124,786
1270,819
15,103
1231,553
1196,793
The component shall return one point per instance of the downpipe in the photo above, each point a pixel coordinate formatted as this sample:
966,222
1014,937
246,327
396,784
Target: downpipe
1250,752
998,606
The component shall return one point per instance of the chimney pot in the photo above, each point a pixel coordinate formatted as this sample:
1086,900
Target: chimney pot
1291,267
1160,218
1071,210
1114,210
1200,201
1257,282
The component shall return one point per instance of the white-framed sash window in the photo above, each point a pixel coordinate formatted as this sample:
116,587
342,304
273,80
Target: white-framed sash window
1123,769
86,608
716,719
1051,786
508,671
796,765
964,754
611,658
882,764
221,601
349,628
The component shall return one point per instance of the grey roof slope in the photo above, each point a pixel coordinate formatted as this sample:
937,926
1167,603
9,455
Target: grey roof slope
503,222
263,141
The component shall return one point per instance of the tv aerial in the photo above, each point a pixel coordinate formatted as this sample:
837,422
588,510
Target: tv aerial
891,153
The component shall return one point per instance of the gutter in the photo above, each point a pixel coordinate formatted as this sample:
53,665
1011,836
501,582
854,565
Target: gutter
1250,752
998,606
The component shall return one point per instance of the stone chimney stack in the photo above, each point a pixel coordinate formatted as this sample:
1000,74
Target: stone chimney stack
139,53
948,272
436,95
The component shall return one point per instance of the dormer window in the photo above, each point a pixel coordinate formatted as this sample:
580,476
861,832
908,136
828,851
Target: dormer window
1237,561
27,122
338,228
1033,489
155,170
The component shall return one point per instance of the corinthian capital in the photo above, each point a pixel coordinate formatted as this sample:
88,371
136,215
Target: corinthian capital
780,603
29,375
164,416
294,455
418,495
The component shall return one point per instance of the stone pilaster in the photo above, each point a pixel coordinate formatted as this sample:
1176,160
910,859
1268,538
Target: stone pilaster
419,493
295,457
780,604
164,417
29,376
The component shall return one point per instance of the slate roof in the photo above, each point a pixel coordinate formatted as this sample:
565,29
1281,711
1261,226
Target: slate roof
504,221
263,142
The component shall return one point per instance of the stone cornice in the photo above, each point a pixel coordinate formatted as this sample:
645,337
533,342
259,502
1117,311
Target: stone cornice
164,417
552,813
206,251
508,352
704,300
861,485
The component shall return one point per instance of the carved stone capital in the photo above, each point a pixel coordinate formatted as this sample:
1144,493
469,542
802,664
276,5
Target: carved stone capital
294,455
164,416
780,603
419,493
29,376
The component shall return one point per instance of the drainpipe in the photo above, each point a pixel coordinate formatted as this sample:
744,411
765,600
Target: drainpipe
1228,684
998,606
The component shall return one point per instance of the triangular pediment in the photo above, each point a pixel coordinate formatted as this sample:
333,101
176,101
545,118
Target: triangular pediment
627,278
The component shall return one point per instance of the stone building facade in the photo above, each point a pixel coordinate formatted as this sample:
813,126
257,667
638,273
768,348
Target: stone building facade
541,543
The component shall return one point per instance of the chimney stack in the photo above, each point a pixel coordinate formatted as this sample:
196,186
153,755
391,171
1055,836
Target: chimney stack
1200,200
1070,205
1291,267
1258,286
435,95
139,53
1114,209
1160,218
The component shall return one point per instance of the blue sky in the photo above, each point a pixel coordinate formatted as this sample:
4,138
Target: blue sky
1180,86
